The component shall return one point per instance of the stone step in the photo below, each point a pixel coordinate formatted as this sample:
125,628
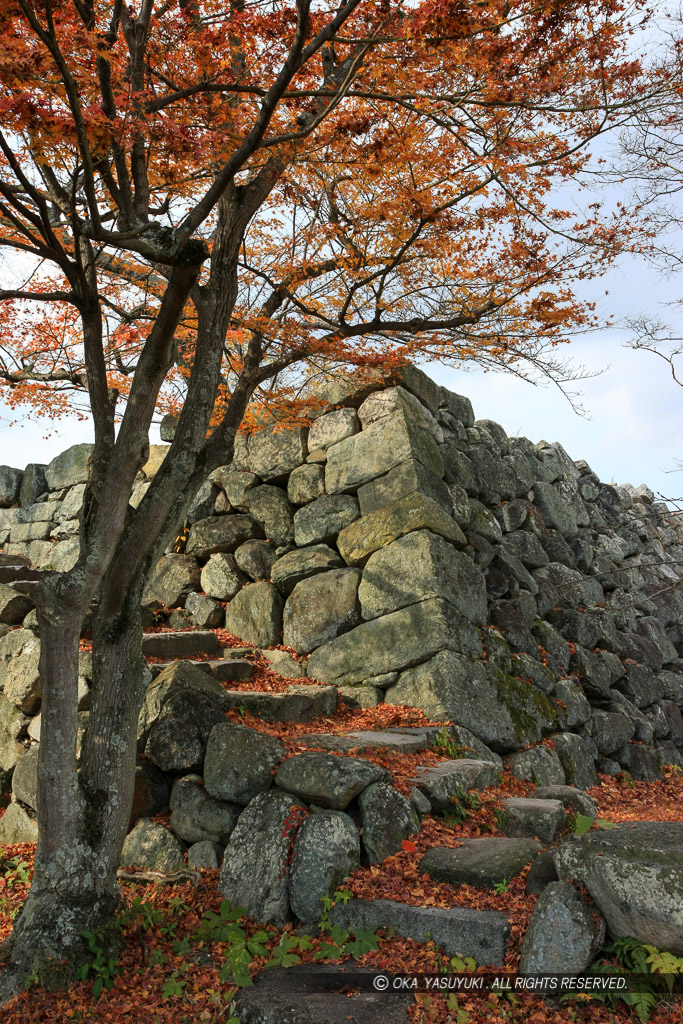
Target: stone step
225,670
385,739
479,862
16,573
319,992
180,643
441,782
481,934
299,703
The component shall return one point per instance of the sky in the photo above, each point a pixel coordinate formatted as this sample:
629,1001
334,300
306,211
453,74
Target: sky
632,431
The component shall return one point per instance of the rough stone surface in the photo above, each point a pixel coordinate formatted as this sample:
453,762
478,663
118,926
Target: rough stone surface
393,642
300,565
571,799
634,873
220,533
196,817
576,759
332,428
320,609
221,577
12,725
441,782
255,615
205,855
480,862
69,467
531,816
481,934
415,512
255,872
388,818
25,779
418,566
326,851
306,483
17,827
179,679
153,847
174,577
255,558
503,711
376,450
19,676
564,934
239,762
10,486
271,507
407,478
322,520
327,780
538,764
274,452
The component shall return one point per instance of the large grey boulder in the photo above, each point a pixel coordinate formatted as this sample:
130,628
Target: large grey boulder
323,519
274,452
220,533
326,851
221,577
479,862
255,872
362,538
177,739
255,558
441,782
537,764
174,578
306,484
239,762
531,816
300,565
634,873
151,846
556,511
25,779
69,467
384,403
33,483
388,818
17,827
394,642
255,615
481,934
577,760
196,816
19,676
13,724
418,566
570,797
503,711
406,478
332,427
564,934
271,507
327,780
10,486
14,607
180,679
376,450
320,609
609,731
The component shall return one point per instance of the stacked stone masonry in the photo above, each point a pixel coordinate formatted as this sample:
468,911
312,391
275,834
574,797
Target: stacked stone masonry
410,555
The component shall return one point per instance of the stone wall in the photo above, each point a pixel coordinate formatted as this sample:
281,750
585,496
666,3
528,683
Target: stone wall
416,556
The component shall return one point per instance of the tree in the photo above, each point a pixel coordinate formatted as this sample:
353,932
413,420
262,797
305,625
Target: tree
211,204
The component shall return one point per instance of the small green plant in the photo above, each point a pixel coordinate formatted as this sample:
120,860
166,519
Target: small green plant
462,803
583,822
444,743
103,968
241,709
173,986
639,959
501,887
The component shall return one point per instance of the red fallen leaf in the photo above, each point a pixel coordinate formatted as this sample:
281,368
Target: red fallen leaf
409,846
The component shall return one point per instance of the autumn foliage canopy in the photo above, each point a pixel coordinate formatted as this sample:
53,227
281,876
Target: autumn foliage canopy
395,168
